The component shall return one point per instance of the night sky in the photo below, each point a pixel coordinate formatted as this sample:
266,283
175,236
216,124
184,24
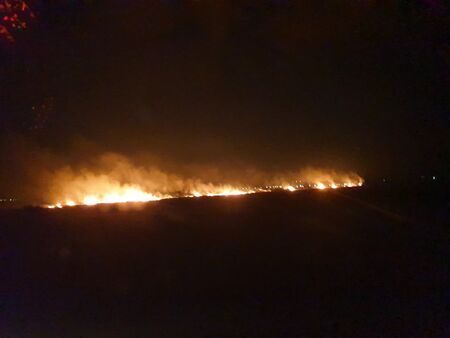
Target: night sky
276,85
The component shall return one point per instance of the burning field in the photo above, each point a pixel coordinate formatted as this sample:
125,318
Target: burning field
119,181
283,264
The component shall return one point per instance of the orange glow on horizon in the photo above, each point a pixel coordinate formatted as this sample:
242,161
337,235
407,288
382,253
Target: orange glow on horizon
117,180
136,194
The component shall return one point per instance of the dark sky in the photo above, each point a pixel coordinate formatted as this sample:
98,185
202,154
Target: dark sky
359,85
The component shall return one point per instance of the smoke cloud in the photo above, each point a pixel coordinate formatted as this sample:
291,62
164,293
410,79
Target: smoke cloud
38,176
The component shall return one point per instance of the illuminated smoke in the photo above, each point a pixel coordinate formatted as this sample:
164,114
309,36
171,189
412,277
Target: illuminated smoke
116,180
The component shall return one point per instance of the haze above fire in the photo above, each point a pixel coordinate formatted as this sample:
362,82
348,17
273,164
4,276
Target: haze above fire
114,178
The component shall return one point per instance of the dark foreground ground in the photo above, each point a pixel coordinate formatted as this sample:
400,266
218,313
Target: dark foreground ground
362,262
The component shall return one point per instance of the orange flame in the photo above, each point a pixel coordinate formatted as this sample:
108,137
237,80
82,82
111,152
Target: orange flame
119,181
136,194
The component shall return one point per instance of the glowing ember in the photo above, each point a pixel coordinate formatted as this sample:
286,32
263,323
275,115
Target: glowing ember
230,192
321,186
90,200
